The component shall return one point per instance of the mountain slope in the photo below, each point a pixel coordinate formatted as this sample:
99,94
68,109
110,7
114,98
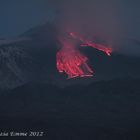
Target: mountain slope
32,57
102,110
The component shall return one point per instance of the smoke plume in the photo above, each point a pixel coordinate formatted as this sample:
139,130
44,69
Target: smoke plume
97,19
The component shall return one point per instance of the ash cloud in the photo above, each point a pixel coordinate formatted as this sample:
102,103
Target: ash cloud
104,19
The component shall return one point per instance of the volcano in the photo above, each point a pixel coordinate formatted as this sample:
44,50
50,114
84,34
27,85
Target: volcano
41,55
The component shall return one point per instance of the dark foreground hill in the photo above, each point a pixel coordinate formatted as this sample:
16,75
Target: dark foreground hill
108,110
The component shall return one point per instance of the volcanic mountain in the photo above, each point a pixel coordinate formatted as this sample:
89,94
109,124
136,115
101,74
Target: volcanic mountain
32,57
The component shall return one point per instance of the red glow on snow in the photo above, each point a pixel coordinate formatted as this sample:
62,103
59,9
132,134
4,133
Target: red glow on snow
73,63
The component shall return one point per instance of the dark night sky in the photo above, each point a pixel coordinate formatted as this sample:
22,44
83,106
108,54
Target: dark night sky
17,16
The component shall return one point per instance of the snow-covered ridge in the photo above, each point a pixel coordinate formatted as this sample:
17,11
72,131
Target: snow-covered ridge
14,61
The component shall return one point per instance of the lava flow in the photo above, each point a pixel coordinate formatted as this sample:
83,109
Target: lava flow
86,42
71,61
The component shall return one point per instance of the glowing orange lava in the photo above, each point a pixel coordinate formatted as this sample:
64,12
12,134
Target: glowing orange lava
73,63
86,42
